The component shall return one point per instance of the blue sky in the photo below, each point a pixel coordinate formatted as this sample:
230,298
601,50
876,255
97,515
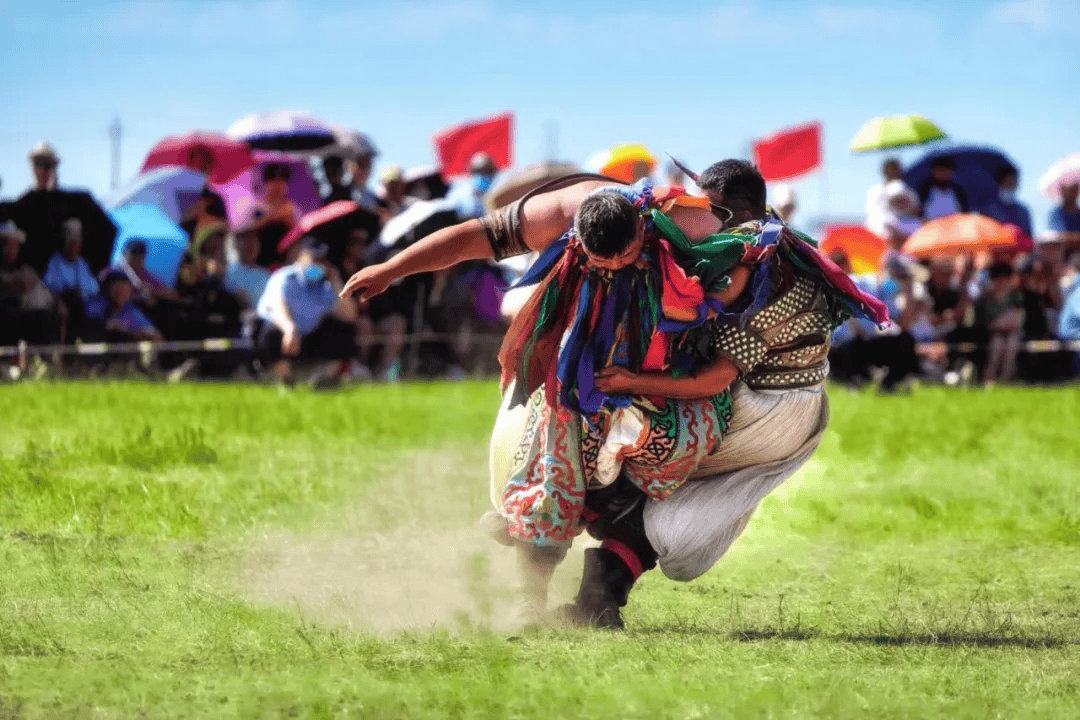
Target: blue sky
697,79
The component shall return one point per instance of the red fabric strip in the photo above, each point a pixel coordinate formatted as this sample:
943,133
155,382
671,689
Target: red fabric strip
633,563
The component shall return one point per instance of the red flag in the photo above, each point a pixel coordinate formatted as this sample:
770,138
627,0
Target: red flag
789,153
455,146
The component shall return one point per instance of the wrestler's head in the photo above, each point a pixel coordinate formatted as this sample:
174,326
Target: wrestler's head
736,191
610,229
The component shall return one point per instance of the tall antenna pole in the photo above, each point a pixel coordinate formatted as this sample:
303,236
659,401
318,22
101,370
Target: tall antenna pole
116,132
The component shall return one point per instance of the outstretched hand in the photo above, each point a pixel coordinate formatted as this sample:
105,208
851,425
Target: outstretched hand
369,282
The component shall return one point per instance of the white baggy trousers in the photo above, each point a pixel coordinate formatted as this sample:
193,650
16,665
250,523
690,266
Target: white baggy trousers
772,434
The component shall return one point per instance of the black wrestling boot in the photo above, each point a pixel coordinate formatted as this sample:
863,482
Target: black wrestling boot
605,587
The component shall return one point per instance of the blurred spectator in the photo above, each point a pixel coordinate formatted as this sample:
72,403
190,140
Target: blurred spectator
901,217
1065,217
67,271
274,212
245,278
334,171
1041,297
1070,274
29,311
154,298
941,195
148,287
68,277
302,314
205,256
1006,209
123,321
467,196
785,202
393,196
359,177
876,201
1069,320
999,316
894,347
209,209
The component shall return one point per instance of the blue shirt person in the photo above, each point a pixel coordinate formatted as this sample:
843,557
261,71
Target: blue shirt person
67,269
306,294
115,310
1066,216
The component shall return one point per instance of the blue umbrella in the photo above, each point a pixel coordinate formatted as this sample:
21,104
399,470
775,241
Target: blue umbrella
165,241
976,169
174,189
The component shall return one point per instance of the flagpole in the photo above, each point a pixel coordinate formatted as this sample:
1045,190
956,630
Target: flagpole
824,180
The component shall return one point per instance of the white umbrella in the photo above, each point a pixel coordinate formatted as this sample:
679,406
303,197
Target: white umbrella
1065,171
419,219
288,130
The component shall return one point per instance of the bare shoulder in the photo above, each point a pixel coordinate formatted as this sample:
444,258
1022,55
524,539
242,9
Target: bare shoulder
696,222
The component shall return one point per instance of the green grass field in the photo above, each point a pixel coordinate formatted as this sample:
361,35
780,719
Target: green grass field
201,551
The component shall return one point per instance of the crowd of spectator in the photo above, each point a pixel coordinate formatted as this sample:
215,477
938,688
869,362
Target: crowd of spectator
958,319
238,281
967,318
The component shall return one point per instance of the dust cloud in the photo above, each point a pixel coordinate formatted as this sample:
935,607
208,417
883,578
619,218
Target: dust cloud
411,559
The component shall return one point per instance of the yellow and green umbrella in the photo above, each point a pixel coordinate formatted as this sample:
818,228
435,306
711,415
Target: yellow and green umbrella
890,132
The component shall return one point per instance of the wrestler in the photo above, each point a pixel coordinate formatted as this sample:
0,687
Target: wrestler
533,224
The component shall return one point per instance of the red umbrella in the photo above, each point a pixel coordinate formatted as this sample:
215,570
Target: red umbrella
315,219
225,156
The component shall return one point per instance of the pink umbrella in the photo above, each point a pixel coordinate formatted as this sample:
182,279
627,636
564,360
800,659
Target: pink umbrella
1065,171
226,157
241,194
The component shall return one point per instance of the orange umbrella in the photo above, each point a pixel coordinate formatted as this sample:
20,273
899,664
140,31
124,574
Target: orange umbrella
863,248
964,234
627,163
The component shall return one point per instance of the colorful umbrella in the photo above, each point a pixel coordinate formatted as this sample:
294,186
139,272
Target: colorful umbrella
882,133
1065,171
628,163
172,189
227,157
241,193
964,234
332,219
165,241
513,186
975,168
863,248
289,130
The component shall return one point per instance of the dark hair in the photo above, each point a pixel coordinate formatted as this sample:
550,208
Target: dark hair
1000,270
942,162
889,163
738,181
111,278
276,171
136,246
333,164
606,223
1005,172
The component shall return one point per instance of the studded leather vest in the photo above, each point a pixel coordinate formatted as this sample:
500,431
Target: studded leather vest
784,346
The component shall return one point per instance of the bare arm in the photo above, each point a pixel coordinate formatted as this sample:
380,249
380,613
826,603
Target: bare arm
544,219
710,380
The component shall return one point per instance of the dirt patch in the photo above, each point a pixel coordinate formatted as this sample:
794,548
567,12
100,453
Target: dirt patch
411,560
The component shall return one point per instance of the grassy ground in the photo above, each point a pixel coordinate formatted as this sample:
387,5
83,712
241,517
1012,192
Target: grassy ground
193,551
